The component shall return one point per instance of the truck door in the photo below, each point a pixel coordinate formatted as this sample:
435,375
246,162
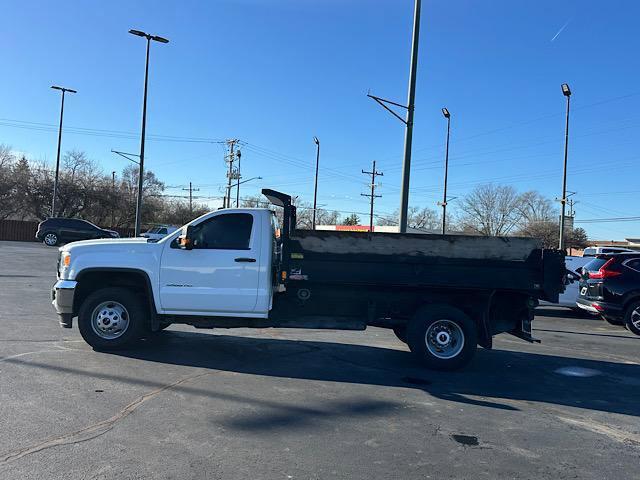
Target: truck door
221,272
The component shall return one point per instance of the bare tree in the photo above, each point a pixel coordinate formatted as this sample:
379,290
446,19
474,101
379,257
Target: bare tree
491,210
422,218
547,231
8,205
536,208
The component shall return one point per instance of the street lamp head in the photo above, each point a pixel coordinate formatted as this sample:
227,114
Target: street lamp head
566,91
316,141
63,89
159,39
138,33
446,113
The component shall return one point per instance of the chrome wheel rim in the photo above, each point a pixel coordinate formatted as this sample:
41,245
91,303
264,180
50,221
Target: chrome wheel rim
444,339
110,320
635,318
50,239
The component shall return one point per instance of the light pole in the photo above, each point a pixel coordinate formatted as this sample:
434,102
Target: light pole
566,91
315,189
55,180
144,124
447,115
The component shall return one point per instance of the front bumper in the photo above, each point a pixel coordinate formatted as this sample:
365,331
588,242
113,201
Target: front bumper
62,294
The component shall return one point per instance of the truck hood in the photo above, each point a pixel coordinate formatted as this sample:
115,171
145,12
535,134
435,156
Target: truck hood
123,244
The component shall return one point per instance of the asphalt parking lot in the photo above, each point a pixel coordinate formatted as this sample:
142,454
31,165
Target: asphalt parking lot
295,404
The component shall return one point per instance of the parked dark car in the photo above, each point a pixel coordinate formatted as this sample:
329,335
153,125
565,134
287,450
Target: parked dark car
610,287
60,230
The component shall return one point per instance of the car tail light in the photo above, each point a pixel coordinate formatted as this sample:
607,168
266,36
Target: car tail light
605,271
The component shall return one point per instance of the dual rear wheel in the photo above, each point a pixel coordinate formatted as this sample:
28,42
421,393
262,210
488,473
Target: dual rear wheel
440,336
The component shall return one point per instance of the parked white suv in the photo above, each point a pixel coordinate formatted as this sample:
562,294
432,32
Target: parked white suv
593,251
158,232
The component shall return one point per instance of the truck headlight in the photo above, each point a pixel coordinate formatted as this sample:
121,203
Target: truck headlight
65,260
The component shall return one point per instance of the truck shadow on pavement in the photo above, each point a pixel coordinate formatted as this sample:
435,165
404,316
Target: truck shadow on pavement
497,379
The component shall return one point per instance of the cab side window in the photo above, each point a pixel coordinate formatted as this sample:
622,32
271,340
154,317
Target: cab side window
227,232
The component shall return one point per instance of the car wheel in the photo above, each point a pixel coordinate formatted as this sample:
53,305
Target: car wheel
442,337
632,318
50,239
401,332
112,318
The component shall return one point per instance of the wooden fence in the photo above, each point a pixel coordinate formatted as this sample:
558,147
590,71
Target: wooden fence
18,230
24,231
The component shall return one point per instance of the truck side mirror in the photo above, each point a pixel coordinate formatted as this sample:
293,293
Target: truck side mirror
185,241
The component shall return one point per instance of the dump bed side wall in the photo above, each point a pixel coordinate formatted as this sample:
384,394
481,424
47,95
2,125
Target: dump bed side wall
427,261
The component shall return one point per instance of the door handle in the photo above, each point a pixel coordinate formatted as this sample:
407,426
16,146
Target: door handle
245,259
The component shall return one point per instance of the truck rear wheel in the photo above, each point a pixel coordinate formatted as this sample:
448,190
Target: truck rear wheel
112,318
442,337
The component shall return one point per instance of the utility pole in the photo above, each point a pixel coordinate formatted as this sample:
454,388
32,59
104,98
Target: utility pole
408,120
238,176
408,138
372,195
55,180
572,214
230,158
191,190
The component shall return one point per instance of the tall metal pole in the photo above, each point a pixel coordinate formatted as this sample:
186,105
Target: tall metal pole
113,198
55,180
142,139
239,155
446,174
563,200
406,165
315,188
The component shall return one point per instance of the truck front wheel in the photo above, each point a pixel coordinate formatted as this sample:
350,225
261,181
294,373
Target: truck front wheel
442,337
112,318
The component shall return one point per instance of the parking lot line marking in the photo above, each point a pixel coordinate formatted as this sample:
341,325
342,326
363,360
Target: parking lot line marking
60,349
597,427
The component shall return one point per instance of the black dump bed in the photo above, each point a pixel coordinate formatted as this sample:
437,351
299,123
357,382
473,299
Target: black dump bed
419,260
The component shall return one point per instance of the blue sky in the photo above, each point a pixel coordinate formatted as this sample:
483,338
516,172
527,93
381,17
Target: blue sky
274,73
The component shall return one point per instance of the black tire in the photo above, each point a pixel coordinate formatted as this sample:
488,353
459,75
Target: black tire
135,311
401,332
462,343
50,239
631,321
